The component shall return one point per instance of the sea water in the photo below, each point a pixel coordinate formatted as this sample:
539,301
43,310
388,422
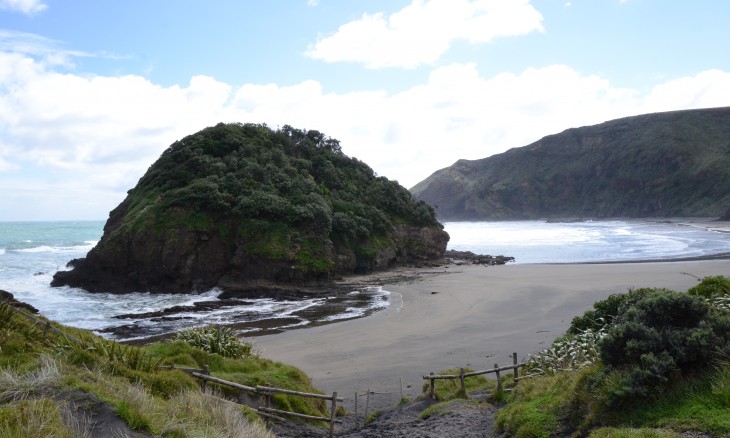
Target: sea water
589,241
31,252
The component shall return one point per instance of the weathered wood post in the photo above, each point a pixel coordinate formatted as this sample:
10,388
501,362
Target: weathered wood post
516,372
401,388
356,403
499,381
206,371
333,414
432,391
463,385
367,402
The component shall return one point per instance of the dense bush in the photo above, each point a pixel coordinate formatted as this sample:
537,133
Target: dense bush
660,337
711,287
605,311
294,180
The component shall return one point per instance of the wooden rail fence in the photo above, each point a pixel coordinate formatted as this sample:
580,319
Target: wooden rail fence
463,375
266,391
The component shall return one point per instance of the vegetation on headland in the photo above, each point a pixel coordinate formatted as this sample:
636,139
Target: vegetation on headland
240,202
54,384
674,164
651,362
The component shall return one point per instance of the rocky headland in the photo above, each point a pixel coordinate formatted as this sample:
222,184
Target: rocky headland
673,164
245,208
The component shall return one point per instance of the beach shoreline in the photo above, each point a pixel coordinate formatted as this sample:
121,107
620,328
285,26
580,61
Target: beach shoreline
462,316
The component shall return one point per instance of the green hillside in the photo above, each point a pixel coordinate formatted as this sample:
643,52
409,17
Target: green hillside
57,381
674,164
239,206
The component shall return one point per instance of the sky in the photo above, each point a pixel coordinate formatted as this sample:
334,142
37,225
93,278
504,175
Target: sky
92,92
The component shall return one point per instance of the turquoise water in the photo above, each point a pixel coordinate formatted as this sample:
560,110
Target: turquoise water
31,252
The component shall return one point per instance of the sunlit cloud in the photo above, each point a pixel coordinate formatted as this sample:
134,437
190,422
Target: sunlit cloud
105,131
423,31
29,7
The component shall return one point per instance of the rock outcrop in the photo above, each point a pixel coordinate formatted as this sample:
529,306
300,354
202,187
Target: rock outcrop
244,207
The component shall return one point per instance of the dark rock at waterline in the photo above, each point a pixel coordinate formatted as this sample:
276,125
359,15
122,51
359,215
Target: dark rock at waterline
10,298
468,257
200,306
726,216
245,207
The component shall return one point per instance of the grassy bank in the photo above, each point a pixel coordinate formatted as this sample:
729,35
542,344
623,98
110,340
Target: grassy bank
648,363
59,384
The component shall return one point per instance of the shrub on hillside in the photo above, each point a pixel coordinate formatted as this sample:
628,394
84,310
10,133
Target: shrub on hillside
217,340
657,339
711,287
605,311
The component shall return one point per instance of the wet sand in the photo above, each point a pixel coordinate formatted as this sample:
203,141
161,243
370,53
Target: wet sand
462,316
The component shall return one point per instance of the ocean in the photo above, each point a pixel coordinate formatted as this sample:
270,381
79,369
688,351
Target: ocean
31,252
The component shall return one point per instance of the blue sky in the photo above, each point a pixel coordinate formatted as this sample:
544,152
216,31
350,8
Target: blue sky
92,92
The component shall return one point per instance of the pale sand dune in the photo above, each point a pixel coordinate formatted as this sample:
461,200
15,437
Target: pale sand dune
477,318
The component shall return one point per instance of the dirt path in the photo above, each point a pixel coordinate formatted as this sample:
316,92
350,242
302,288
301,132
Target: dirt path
457,419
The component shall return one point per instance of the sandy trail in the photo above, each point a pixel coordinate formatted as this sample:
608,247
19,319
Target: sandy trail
463,316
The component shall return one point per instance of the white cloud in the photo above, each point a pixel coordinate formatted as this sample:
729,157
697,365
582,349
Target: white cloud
79,142
424,30
28,7
312,3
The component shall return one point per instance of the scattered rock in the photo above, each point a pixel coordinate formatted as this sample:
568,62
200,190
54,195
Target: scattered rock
7,296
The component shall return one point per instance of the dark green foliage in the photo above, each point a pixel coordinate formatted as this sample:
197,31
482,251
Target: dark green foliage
658,338
604,311
711,287
287,194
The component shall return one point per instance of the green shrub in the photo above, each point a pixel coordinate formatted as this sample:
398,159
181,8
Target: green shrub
660,337
605,311
217,340
711,287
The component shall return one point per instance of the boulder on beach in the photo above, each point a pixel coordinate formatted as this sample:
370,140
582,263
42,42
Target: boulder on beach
243,207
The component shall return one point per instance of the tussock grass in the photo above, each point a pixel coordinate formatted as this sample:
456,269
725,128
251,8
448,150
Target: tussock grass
207,415
16,386
36,366
33,418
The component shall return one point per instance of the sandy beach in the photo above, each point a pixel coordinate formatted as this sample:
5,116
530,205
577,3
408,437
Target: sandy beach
462,316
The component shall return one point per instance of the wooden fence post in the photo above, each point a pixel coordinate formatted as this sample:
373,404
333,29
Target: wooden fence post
463,385
367,402
516,372
333,413
206,371
401,388
355,403
432,391
499,381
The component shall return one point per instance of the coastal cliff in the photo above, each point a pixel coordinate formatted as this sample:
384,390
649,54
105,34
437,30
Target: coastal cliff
244,207
674,164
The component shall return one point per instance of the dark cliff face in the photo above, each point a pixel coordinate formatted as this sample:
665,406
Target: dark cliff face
244,207
656,165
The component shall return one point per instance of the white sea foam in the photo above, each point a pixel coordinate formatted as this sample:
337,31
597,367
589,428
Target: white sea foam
32,253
